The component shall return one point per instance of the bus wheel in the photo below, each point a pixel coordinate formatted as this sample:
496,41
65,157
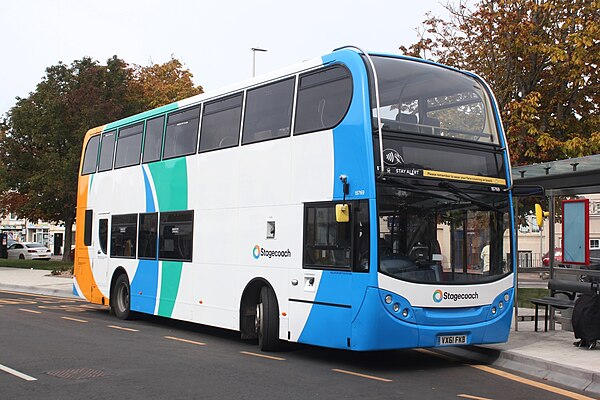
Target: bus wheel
120,298
267,321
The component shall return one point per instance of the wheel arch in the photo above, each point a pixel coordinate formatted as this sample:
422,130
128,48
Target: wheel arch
250,298
118,272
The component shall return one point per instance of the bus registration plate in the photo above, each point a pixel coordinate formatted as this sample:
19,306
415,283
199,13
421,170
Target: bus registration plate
452,340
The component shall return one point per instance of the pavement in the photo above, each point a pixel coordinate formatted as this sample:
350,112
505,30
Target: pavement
550,355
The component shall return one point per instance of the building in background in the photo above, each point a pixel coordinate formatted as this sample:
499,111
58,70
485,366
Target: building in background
23,230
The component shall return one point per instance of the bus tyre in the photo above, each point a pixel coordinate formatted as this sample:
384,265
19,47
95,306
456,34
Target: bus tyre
120,298
267,321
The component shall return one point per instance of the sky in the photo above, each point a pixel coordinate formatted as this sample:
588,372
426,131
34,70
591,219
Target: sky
212,38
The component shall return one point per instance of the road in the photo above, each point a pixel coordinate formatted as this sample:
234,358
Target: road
56,348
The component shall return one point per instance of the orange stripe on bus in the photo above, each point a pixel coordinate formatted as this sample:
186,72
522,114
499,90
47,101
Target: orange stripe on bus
82,263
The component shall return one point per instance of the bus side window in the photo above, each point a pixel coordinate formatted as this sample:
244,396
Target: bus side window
123,233
362,243
221,123
182,133
107,151
267,114
87,228
90,158
148,236
176,234
103,235
153,139
323,99
327,243
129,146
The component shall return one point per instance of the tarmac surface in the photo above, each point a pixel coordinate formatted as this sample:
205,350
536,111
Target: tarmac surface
547,355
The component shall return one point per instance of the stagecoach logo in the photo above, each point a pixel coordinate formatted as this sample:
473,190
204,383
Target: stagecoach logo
258,252
392,157
438,296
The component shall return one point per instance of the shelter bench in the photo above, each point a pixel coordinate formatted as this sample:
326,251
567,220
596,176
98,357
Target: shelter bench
556,286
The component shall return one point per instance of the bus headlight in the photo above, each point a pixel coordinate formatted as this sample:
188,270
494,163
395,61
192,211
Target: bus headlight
396,307
388,299
493,310
506,297
405,312
501,305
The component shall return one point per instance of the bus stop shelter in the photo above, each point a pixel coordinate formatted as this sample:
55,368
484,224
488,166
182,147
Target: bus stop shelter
570,177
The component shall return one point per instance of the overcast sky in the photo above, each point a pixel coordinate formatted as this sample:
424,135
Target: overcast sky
212,38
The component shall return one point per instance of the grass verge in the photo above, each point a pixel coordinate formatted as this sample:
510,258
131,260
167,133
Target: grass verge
524,294
38,264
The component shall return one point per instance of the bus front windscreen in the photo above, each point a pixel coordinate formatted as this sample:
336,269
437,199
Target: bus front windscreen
427,99
436,234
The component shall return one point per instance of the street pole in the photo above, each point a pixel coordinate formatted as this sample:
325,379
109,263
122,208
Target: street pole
254,50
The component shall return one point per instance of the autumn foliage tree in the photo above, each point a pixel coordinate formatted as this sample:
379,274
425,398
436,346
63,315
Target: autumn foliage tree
41,136
159,84
541,59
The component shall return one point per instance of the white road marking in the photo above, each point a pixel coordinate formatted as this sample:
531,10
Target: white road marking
375,378
17,373
185,340
122,328
262,356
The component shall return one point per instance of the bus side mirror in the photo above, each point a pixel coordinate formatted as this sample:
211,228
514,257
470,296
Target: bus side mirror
342,213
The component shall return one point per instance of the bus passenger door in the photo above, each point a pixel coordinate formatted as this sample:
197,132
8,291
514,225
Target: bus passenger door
100,257
320,309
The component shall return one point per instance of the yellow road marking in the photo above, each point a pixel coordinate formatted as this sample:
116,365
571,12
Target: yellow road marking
68,308
30,311
375,378
185,340
468,396
513,377
74,319
16,301
122,328
262,356
43,296
530,382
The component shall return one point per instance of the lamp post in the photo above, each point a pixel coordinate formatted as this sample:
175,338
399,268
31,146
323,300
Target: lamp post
254,50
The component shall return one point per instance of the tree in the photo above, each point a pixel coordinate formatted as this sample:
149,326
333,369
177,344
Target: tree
541,59
41,137
44,133
159,84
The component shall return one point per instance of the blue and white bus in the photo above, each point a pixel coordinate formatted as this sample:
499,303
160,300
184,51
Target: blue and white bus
354,201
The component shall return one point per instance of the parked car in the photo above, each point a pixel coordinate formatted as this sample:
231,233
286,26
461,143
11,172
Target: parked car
29,251
557,257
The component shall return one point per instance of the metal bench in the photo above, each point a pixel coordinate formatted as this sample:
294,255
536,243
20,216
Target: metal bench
556,286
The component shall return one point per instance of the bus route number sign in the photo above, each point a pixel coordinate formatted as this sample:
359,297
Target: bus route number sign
452,340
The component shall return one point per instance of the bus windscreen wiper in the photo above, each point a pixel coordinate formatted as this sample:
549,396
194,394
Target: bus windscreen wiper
465,196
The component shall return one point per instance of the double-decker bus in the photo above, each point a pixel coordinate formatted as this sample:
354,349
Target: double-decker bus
354,201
